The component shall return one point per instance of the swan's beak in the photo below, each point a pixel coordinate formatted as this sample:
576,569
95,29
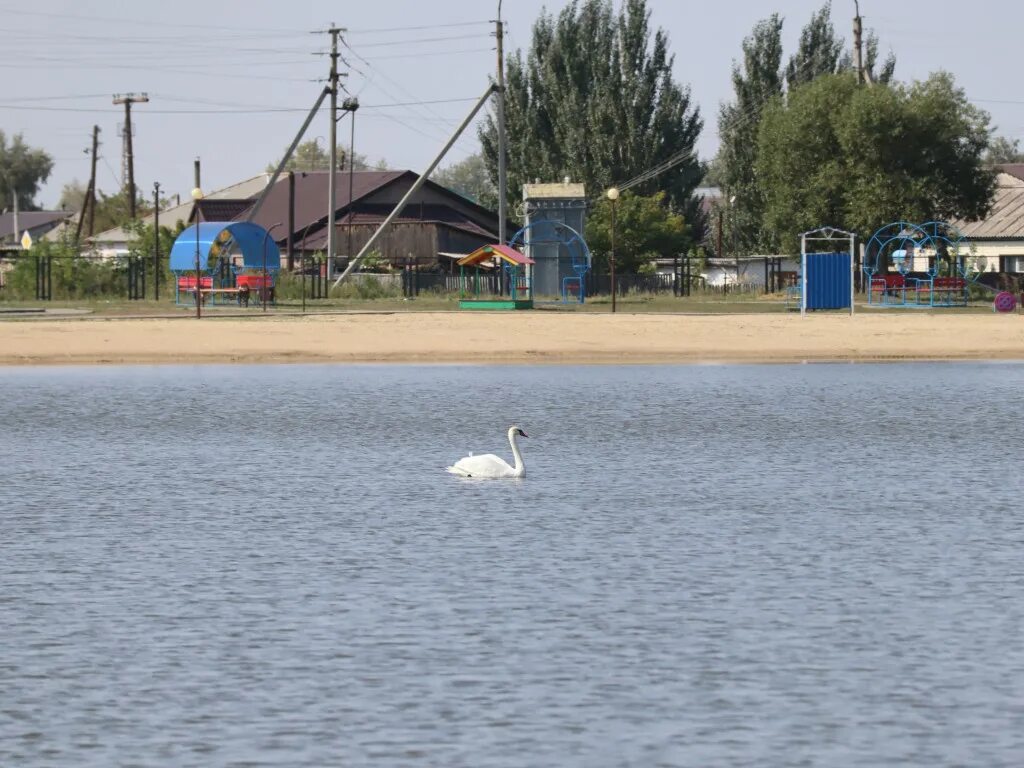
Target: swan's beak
522,434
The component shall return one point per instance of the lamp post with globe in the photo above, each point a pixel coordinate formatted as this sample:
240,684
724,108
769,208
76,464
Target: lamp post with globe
197,195
613,195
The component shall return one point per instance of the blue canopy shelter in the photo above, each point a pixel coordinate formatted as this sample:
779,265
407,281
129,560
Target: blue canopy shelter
235,257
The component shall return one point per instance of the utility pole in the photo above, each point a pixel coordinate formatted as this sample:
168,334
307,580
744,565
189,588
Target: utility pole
90,191
499,33
863,76
332,192
156,240
129,160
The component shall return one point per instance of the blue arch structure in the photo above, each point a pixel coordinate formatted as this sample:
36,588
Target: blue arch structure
894,276
231,254
547,231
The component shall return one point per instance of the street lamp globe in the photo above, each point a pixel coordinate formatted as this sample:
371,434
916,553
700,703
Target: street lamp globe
612,194
197,194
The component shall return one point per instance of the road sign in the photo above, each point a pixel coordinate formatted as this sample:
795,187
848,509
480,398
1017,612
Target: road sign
26,240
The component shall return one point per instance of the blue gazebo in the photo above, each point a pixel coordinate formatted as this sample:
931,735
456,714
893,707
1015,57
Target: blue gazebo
234,258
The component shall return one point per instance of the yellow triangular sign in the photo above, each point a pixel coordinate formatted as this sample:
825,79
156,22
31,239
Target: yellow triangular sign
26,240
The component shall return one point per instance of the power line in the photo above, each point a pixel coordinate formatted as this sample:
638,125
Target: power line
149,24
417,28
235,111
418,41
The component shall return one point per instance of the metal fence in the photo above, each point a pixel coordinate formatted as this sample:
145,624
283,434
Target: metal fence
25,278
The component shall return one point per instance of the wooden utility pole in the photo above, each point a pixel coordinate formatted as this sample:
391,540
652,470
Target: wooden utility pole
89,203
499,33
129,160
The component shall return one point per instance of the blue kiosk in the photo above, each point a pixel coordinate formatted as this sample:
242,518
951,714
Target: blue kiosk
214,261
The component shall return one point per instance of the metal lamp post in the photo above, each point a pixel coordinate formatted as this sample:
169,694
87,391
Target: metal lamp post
351,105
266,236
197,195
613,195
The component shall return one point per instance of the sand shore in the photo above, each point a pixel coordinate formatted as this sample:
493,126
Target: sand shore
526,337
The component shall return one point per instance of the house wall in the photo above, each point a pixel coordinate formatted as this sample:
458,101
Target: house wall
399,241
988,255
419,241
429,195
750,273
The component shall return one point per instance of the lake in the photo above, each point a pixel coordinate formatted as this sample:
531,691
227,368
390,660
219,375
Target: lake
793,565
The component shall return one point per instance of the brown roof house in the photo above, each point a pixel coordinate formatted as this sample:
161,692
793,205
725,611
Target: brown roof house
436,228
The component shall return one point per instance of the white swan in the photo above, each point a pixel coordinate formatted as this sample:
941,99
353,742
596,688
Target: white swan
490,465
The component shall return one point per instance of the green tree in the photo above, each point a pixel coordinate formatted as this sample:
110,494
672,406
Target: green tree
595,99
470,179
843,155
310,156
883,74
1004,150
113,210
72,196
22,168
757,83
820,51
645,229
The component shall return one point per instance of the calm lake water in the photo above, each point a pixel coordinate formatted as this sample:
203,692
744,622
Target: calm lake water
816,565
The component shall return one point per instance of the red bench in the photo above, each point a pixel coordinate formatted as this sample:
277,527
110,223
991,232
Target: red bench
188,283
254,282
891,283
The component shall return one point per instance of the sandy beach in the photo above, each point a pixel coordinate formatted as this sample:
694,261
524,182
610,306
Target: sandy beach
528,337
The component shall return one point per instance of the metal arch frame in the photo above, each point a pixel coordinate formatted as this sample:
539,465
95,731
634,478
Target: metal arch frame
921,236
580,269
824,235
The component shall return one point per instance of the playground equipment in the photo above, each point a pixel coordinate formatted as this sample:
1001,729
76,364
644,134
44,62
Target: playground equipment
909,265
826,278
237,260
1004,302
571,260
515,286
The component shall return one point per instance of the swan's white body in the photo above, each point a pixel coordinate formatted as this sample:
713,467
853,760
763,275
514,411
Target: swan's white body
490,465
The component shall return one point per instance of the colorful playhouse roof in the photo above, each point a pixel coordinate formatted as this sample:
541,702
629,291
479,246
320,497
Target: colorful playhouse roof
488,252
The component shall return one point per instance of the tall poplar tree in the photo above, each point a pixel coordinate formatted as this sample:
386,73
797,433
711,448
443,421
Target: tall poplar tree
820,51
757,83
594,99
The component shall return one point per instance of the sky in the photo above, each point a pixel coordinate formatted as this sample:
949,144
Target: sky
231,81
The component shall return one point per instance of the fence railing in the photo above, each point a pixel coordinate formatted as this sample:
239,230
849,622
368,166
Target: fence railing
42,277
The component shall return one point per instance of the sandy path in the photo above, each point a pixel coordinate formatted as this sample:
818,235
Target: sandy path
515,338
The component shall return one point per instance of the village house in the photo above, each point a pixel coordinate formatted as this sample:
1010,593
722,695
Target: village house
997,241
437,226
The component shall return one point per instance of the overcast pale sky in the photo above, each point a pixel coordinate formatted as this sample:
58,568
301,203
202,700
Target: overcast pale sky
230,81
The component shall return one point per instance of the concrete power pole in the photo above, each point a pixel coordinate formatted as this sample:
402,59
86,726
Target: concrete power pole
129,160
332,191
863,75
499,33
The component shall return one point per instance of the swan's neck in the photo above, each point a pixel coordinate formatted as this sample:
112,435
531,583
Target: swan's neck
515,453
